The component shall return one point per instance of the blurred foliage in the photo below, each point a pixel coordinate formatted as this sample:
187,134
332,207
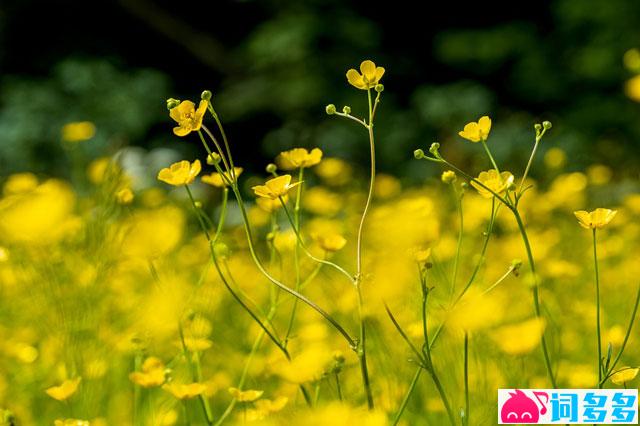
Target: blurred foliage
271,78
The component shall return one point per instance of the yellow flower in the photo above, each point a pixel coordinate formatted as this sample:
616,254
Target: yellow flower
20,183
78,131
422,256
245,396
476,132
180,173
152,373
330,242
65,390
124,196
596,219
275,188
188,391
189,118
269,205
497,183
632,88
448,176
299,157
521,338
624,375
370,76
71,422
264,407
216,179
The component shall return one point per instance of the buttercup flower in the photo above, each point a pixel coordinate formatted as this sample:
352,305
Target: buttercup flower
368,77
422,256
275,188
188,391
497,183
624,375
78,131
152,373
330,242
448,176
124,196
476,132
65,390
245,396
180,173
216,179
264,407
596,219
299,157
269,205
189,118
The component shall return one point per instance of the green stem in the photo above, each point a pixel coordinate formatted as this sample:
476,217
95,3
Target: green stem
536,296
405,400
460,235
598,332
338,386
296,253
493,162
465,419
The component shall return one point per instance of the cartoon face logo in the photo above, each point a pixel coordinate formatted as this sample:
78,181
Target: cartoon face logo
519,408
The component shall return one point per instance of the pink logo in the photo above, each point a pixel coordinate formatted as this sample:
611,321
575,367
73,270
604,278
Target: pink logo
519,408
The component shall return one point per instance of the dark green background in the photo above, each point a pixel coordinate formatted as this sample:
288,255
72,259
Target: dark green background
274,65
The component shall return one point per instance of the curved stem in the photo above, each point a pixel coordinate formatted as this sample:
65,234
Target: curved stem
536,296
405,400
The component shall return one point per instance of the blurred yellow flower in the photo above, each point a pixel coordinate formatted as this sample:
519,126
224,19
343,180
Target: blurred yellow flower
596,219
153,233
180,173
216,179
448,176
78,131
632,88
555,158
368,77
269,205
624,375
298,157
152,374
498,183
65,390
334,171
422,255
321,201
264,407
275,188
330,242
477,131
185,391
20,183
189,118
521,338
245,396
71,422
124,196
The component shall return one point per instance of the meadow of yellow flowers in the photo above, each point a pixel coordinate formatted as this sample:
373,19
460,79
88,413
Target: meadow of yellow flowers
311,294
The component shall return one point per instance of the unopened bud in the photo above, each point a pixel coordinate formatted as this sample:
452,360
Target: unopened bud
213,158
271,168
546,124
221,250
198,204
379,88
346,109
538,127
434,148
418,154
448,176
172,103
330,109
206,95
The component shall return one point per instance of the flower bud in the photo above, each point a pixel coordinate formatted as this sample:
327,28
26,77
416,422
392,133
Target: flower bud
271,168
330,109
206,95
418,154
213,158
448,176
198,204
434,148
172,103
379,88
546,125
538,127
346,109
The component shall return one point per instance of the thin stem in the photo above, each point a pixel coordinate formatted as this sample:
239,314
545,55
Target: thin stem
536,296
460,235
526,170
626,337
405,400
599,337
338,386
493,162
465,419
296,253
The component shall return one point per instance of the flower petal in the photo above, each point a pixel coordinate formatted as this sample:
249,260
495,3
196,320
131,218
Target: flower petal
355,79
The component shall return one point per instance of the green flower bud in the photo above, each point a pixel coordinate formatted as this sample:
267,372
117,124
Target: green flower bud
379,88
434,148
330,109
213,158
418,154
546,125
172,103
346,109
221,250
448,176
271,168
198,204
206,95
538,127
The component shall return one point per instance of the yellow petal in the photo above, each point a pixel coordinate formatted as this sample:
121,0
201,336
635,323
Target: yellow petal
355,79
624,375
368,69
521,338
584,218
379,73
484,125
